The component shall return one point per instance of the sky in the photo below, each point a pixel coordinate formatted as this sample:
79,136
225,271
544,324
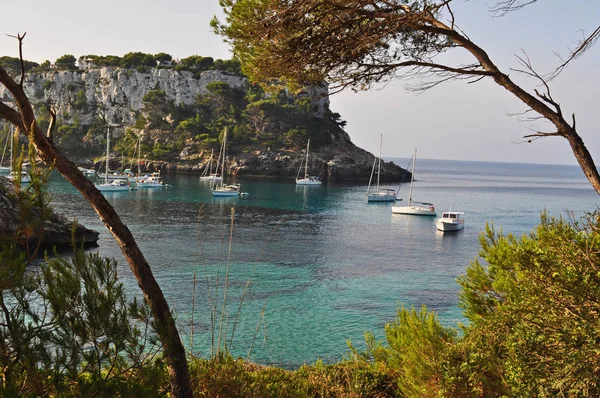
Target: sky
456,121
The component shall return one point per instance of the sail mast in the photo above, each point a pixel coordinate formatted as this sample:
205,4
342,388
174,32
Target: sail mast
306,165
379,164
107,149
412,177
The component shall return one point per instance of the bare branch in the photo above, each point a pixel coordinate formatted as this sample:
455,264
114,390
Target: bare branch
503,7
20,38
52,125
581,48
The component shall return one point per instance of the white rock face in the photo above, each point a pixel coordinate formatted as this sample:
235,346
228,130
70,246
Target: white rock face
118,92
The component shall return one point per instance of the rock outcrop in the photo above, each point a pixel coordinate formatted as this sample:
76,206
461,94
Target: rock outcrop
57,231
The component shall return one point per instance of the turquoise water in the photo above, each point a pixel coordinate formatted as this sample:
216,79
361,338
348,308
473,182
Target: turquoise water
322,263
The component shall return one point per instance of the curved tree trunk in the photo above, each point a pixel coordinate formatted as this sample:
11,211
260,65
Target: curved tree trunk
165,324
543,105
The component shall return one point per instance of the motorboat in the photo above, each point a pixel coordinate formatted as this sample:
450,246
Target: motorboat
451,221
150,181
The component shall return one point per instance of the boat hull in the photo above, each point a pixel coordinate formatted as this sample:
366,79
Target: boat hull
307,181
449,226
111,188
149,185
381,197
225,193
414,210
115,186
211,179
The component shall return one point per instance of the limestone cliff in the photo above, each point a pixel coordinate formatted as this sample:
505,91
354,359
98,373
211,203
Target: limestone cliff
79,97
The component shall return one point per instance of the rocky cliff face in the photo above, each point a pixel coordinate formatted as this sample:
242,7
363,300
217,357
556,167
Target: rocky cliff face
118,94
57,231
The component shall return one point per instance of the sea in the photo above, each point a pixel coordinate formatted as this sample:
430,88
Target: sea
289,275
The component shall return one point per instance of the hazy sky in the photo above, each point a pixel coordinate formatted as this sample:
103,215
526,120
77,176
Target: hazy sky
453,121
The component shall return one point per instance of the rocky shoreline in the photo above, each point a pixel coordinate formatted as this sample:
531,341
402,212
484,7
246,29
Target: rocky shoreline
340,162
56,232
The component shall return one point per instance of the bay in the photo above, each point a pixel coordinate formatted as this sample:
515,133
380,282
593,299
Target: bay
323,264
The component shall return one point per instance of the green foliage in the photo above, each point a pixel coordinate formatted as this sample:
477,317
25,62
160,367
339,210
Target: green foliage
67,61
156,108
102,60
80,99
542,294
137,59
13,64
162,57
47,84
224,376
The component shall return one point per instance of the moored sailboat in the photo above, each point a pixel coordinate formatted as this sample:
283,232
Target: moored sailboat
219,189
379,195
207,174
307,179
114,185
414,208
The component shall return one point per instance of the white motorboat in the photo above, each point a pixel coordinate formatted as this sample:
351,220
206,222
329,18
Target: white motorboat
150,181
451,221
87,172
379,195
219,189
414,208
307,179
226,190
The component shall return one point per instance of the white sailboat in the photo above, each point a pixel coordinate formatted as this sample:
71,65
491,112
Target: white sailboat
5,169
207,174
12,175
379,195
307,180
219,189
115,185
414,208
147,180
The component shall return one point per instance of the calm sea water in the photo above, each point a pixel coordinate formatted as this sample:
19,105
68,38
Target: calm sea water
312,267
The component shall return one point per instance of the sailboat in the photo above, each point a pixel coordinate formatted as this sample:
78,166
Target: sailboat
113,185
207,174
383,195
414,208
146,181
5,169
307,180
220,189
12,175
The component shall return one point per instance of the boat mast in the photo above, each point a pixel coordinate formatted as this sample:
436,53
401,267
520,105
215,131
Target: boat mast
224,156
412,177
379,164
12,138
107,149
139,154
306,165
5,145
